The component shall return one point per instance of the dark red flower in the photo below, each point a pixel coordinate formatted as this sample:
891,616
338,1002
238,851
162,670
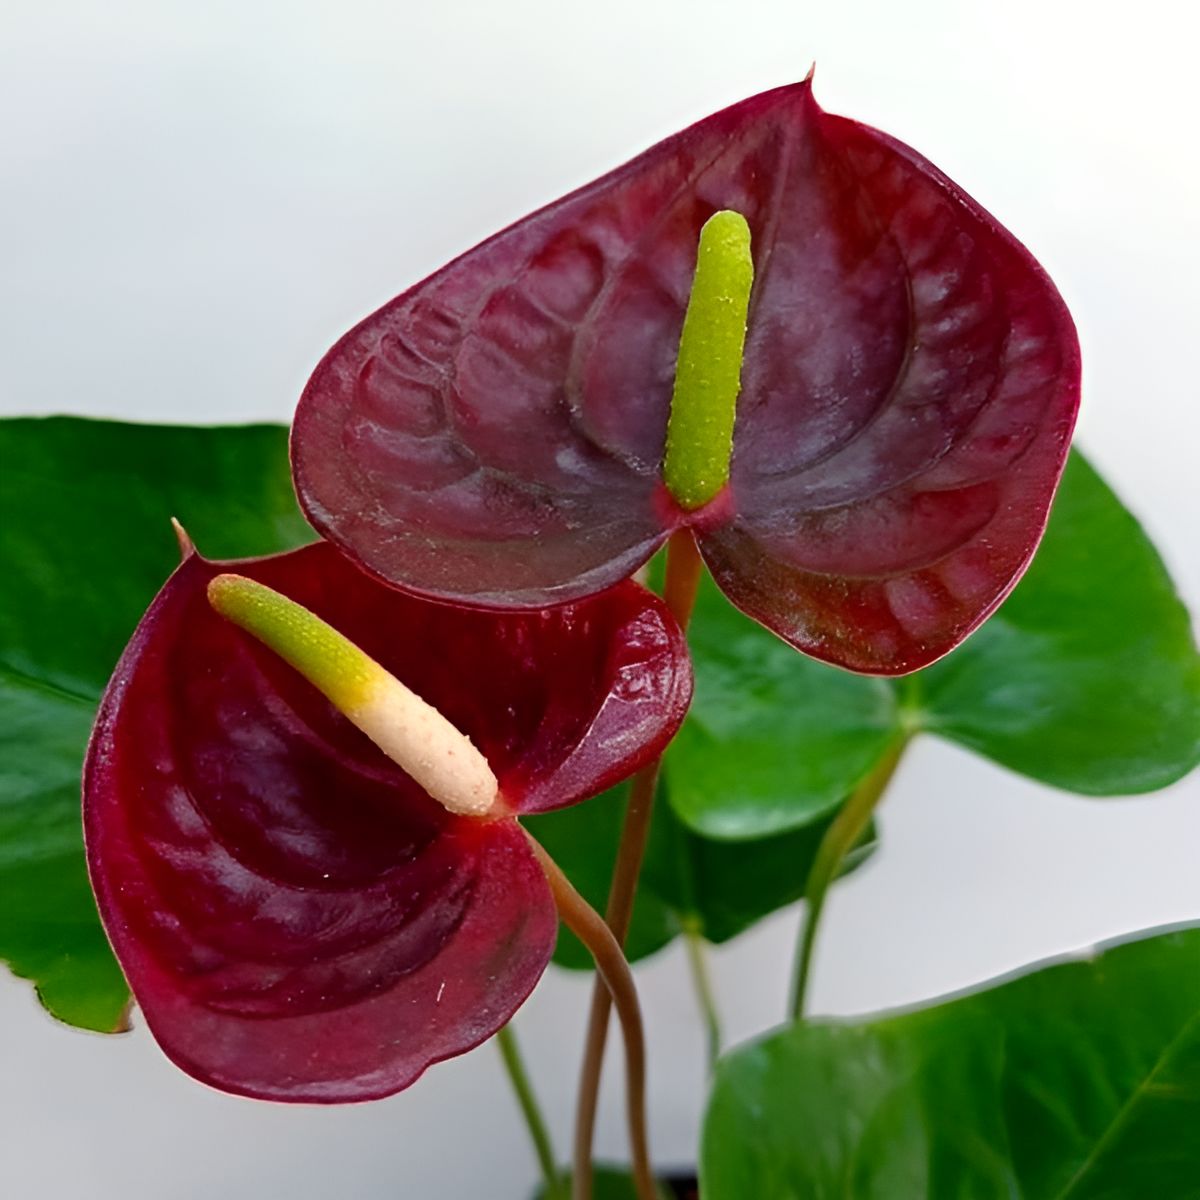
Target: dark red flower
297,919
910,380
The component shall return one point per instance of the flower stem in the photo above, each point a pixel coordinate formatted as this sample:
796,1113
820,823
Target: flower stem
679,592
510,1052
843,832
684,565
693,940
590,928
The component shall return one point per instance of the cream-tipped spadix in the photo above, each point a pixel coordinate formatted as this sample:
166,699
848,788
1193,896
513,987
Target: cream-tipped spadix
408,730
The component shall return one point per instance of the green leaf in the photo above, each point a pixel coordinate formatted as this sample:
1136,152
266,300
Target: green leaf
1086,678
774,740
610,1183
1079,1081
714,888
86,541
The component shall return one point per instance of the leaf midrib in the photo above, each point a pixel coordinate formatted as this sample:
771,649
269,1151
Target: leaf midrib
22,679
1123,1113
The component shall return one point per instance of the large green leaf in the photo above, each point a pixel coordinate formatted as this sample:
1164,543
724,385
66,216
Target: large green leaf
1079,1081
86,542
713,888
1087,678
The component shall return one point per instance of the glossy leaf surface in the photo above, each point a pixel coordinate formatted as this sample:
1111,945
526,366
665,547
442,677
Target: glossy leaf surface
84,535
1079,1081
1088,678
909,386
297,918
716,889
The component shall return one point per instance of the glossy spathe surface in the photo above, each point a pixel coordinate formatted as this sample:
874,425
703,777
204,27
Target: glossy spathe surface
908,391
297,919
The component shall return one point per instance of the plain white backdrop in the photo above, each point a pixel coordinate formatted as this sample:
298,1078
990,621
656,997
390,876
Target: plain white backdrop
196,199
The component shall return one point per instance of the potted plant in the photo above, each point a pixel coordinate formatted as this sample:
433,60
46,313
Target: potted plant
336,793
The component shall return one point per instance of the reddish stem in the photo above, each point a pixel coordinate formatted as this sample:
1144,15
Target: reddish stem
586,924
679,591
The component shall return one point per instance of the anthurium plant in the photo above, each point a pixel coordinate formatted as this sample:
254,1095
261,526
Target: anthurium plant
371,740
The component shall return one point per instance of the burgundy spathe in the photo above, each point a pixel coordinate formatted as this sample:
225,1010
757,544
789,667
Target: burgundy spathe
495,434
296,918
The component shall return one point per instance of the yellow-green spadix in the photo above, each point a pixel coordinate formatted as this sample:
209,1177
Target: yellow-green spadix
709,366
409,731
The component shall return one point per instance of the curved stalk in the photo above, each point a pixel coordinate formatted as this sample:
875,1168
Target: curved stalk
845,829
588,926
510,1052
696,947
679,591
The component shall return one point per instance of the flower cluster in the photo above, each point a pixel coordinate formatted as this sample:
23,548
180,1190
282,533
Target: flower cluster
299,911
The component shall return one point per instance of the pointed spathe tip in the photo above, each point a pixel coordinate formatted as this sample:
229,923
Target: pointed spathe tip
186,546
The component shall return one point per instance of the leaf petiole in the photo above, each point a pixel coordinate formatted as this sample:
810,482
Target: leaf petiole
844,831
591,929
514,1065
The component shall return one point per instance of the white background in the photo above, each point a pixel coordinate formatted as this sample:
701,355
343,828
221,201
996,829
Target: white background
196,199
